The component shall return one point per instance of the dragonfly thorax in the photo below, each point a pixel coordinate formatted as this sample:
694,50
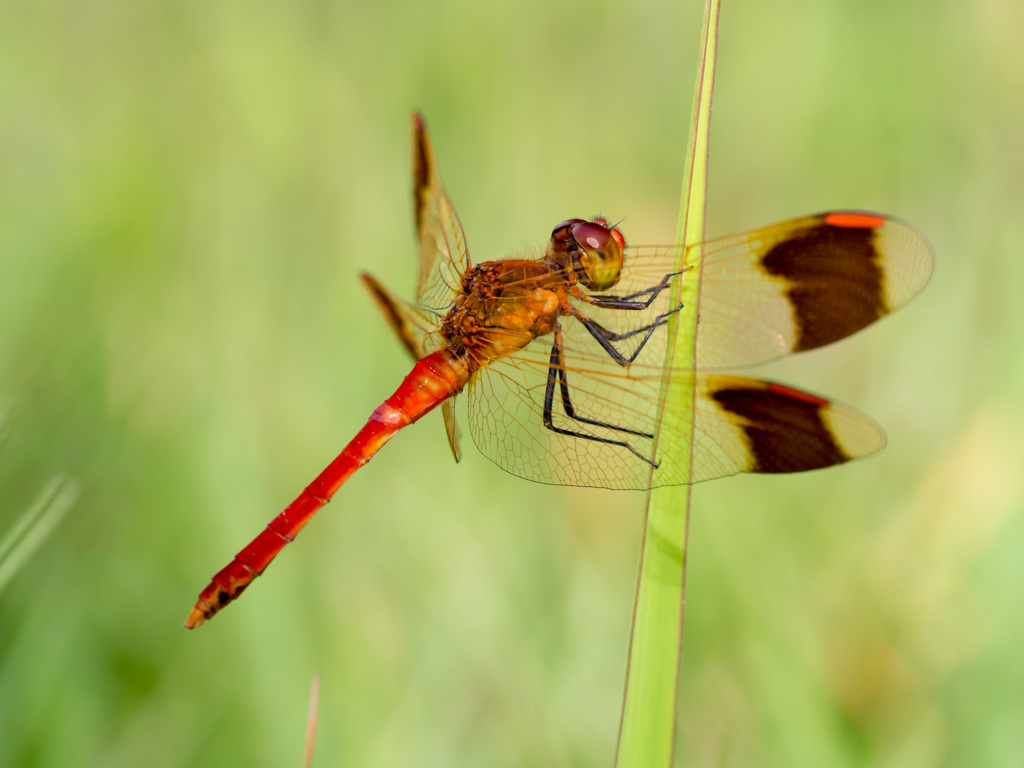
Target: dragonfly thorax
503,306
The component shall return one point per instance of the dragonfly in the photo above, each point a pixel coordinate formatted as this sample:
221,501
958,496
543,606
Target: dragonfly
563,355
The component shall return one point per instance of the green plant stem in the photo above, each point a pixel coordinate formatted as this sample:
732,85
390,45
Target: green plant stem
647,730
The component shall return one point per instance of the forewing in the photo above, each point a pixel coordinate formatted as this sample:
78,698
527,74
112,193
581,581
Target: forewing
443,253
795,286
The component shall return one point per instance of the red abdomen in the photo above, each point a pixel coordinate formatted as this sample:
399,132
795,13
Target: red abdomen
433,380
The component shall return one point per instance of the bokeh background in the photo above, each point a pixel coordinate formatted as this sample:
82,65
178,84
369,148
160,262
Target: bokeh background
188,192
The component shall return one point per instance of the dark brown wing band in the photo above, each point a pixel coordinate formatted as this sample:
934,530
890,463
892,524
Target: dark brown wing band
835,279
784,427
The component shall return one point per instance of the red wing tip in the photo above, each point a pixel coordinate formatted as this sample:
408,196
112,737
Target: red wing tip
417,121
797,394
194,619
855,220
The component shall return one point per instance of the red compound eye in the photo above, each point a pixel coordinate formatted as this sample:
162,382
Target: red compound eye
591,235
600,263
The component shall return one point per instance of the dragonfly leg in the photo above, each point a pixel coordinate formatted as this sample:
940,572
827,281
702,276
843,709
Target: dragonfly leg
570,411
556,372
605,337
632,300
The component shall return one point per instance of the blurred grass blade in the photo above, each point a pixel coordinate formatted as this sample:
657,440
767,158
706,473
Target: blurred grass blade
35,526
647,730
314,709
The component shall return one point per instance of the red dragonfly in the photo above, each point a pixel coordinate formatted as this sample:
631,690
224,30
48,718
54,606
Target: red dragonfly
563,355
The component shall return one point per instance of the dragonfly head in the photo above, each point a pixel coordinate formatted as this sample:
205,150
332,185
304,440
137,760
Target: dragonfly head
590,250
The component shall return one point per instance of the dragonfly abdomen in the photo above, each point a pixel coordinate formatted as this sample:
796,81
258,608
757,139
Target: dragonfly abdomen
432,380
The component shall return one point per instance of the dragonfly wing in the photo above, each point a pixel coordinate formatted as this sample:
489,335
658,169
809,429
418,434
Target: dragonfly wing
443,260
752,425
796,285
804,283
444,257
451,427
739,424
615,407
416,327
506,419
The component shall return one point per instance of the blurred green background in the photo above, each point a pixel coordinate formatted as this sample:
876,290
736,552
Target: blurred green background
188,192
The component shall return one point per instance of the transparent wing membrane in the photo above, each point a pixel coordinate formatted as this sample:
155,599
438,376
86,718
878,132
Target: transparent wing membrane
508,400
415,326
444,256
796,285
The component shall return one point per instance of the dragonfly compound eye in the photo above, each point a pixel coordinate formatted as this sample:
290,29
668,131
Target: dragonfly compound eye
601,261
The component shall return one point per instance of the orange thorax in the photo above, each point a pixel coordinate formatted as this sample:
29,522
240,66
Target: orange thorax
504,305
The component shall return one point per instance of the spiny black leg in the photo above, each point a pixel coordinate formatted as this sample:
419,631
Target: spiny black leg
555,365
549,388
629,301
571,412
605,337
648,329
